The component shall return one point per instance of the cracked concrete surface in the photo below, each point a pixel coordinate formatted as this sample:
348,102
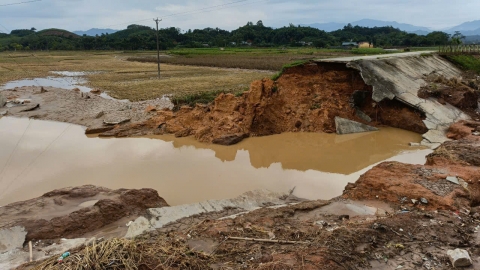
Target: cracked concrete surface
400,76
159,217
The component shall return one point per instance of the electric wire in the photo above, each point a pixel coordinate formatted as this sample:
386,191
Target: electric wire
36,158
19,3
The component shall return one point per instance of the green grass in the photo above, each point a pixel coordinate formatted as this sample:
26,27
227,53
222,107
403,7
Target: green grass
369,51
466,62
250,51
200,97
287,66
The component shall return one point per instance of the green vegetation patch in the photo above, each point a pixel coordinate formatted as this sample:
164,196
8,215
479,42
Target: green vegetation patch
466,62
287,66
369,51
191,99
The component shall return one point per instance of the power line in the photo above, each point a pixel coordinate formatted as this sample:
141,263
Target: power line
19,3
36,158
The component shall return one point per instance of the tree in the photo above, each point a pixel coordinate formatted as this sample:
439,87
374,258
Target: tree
457,38
33,29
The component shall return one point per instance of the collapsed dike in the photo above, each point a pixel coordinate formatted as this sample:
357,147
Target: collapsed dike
308,98
396,216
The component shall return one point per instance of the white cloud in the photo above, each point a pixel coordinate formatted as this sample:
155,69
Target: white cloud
85,14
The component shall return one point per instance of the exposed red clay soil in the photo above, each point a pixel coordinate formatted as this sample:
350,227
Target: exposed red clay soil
401,234
461,94
73,212
305,98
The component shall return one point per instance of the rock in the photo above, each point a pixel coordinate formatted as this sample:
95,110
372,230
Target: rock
459,258
183,133
345,126
3,113
3,101
453,179
99,114
31,108
12,238
42,90
139,226
96,91
98,130
414,201
229,139
424,201
415,144
363,115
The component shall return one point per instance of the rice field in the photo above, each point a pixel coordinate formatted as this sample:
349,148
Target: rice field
126,79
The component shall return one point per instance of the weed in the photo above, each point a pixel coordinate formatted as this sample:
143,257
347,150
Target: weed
369,51
287,66
426,55
274,89
466,62
315,106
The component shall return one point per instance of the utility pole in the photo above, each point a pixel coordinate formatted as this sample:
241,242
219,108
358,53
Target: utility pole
158,48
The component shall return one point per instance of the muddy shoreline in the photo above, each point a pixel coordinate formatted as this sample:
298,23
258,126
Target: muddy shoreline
395,216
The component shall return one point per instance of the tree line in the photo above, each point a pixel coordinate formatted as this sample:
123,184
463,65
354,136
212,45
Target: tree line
138,37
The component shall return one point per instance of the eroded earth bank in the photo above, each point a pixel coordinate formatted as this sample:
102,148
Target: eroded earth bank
396,216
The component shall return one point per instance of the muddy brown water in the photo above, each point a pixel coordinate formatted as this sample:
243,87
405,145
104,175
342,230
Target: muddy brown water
39,156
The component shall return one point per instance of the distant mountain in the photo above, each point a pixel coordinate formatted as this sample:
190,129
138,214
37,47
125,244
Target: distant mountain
402,26
329,27
95,31
473,39
467,26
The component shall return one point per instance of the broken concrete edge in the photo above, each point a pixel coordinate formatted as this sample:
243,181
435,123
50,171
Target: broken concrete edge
12,238
17,257
346,126
459,258
387,89
159,217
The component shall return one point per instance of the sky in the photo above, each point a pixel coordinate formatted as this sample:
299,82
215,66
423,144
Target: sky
75,15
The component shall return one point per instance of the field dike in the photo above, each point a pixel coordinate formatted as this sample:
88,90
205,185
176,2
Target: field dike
308,98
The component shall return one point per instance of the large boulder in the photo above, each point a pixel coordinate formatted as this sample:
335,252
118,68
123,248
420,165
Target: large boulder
345,126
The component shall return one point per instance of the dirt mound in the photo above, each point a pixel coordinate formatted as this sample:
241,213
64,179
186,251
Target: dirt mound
400,183
464,129
305,98
454,91
300,236
73,212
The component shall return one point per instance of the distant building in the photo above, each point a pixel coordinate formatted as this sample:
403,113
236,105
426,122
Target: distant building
365,44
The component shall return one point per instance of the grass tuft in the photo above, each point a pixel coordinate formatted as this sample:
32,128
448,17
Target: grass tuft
465,62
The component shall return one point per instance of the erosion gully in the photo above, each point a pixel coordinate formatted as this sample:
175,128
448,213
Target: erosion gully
40,156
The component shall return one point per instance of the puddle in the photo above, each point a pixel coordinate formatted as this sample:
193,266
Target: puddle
73,73
70,82
39,156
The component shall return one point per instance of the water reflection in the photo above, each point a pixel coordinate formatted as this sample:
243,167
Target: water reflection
313,151
39,156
